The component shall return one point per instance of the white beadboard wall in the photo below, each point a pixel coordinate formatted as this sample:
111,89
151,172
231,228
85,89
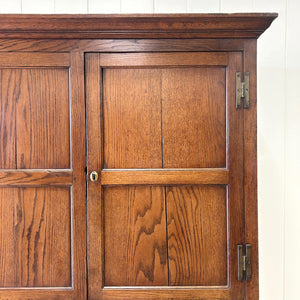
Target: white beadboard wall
278,120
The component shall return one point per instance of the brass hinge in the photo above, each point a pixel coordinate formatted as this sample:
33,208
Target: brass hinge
244,262
242,89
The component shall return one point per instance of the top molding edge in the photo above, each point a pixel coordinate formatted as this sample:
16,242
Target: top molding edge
243,25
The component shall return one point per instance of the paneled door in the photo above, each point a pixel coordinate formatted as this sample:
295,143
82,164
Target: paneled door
42,178
166,140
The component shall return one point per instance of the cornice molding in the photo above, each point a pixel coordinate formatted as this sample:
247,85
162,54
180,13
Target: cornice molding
248,25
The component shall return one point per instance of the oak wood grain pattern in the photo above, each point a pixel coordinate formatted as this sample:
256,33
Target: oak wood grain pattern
135,236
9,90
9,59
197,235
121,45
166,293
94,162
42,119
164,59
194,120
250,170
132,118
235,164
36,294
35,177
35,238
164,176
135,26
78,135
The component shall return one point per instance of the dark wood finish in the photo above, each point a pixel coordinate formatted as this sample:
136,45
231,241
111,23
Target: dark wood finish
8,93
181,216
42,179
164,59
135,221
150,68
194,120
94,133
132,118
166,293
10,60
36,106
121,45
79,178
35,237
250,170
235,187
197,235
164,176
42,110
136,26
36,177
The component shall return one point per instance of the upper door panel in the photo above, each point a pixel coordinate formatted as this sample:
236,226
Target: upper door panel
164,111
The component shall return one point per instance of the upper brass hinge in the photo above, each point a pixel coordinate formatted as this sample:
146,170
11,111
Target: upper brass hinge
244,262
242,89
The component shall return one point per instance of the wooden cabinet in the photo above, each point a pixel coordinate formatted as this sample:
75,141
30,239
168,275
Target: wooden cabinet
149,103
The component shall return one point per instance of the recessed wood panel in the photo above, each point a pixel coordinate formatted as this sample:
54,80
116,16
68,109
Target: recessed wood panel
132,118
9,91
35,123
135,236
35,237
194,117
197,235
42,119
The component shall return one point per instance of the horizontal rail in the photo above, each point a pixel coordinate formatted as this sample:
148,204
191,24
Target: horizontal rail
215,293
32,177
164,176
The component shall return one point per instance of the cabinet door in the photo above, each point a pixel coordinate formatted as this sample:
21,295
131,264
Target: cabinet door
165,218
42,180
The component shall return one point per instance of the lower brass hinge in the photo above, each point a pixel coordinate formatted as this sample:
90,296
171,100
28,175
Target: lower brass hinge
244,262
242,90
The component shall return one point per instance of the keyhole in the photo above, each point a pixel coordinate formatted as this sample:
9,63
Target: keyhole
94,176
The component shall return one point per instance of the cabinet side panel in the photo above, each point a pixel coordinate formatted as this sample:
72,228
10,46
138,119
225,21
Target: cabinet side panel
135,236
132,118
197,235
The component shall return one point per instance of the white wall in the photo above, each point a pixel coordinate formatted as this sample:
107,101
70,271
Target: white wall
278,120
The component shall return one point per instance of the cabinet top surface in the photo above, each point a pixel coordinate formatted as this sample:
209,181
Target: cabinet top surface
241,25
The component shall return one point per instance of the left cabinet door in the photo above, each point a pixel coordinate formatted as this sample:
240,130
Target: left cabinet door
42,176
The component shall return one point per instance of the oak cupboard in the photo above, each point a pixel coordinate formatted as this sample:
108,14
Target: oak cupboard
128,156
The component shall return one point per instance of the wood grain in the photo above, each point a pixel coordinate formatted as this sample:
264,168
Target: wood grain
167,293
10,59
121,45
197,235
49,262
78,136
136,26
36,177
164,176
164,59
42,111
194,120
132,118
250,169
9,93
135,236
94,114
35,241
235,164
